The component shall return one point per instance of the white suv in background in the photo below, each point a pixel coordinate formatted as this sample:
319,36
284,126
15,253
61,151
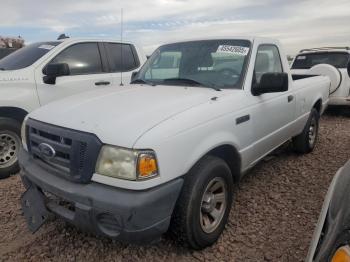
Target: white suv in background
339,57
46,71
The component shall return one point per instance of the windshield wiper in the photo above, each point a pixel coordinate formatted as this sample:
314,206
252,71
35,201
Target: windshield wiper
141,81
183,80
190,81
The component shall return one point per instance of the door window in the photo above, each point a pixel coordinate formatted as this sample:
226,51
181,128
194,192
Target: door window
268,60
122,57
81,58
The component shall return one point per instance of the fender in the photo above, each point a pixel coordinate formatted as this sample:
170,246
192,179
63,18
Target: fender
317,103
22,96
209,144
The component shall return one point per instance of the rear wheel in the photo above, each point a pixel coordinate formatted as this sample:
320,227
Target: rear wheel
10,143
306,141
204,204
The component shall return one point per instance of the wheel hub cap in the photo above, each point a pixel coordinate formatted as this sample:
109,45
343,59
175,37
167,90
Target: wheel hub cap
213,205
9,145
208,204
312,132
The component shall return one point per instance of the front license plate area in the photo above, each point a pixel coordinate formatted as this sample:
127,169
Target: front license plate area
34,210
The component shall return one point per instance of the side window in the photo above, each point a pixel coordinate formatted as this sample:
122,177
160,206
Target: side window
81,58
122,57
268,60
166,65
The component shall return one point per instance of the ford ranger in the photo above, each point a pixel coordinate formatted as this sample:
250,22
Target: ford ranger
42,72
164,152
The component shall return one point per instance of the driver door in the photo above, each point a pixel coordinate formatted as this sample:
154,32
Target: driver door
273,112
87,72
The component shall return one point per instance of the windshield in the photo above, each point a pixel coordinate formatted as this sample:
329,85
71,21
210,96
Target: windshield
336,59
210,63
26,56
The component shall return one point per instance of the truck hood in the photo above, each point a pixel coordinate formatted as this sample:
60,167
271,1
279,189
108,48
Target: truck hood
120,115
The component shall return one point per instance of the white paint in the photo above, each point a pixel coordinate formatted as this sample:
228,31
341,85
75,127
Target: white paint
181,124
47,47
25,88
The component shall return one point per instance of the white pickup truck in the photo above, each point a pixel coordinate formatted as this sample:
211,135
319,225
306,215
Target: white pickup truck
339,58
166,150
42,72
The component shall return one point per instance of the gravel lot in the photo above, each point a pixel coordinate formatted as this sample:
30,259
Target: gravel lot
273,217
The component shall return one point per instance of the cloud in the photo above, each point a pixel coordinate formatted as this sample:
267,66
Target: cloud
298,24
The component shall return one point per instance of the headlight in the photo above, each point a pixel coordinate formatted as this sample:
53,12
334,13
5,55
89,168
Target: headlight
126,163
341,255
23,133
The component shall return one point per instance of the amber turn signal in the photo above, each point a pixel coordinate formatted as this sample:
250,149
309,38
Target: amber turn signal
147,166
342,255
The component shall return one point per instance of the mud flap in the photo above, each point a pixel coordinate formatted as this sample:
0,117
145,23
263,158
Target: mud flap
33,206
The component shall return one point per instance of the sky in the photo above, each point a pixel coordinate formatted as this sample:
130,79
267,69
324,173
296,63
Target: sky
296,23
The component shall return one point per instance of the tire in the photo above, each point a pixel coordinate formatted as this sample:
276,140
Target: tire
193,206
306,141
10,143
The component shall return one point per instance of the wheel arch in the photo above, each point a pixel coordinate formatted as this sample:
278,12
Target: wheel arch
230,155
13,112
318,105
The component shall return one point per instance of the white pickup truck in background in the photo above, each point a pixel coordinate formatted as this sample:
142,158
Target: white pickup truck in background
339,58
43,72
167,149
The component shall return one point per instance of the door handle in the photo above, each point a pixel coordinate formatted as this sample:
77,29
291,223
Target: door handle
102,83
290,98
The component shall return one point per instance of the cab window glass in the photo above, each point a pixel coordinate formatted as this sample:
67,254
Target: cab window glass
26,56
268,60
306,61
81,58
122,57
218,63
165,66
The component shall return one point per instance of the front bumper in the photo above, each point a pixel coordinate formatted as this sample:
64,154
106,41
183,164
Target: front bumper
126,215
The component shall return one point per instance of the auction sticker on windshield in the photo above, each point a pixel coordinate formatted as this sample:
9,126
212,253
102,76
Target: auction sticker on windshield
237,50
301,57
48,47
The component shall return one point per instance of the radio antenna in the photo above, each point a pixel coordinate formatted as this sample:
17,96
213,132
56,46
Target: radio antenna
121,47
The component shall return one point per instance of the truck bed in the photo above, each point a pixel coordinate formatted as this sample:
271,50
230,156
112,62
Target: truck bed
298,77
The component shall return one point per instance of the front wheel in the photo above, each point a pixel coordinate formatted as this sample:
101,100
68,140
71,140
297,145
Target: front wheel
306,141
204,204
10,143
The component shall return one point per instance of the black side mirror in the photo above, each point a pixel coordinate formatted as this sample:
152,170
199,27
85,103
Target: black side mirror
134,75
271,83
52,71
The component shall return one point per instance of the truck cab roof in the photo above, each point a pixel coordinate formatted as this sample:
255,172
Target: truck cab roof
325,49
89,39
249,38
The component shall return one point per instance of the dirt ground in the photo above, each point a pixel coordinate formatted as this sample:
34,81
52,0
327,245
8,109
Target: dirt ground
274,214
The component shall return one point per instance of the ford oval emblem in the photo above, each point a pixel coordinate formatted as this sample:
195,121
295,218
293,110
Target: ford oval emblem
47,151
